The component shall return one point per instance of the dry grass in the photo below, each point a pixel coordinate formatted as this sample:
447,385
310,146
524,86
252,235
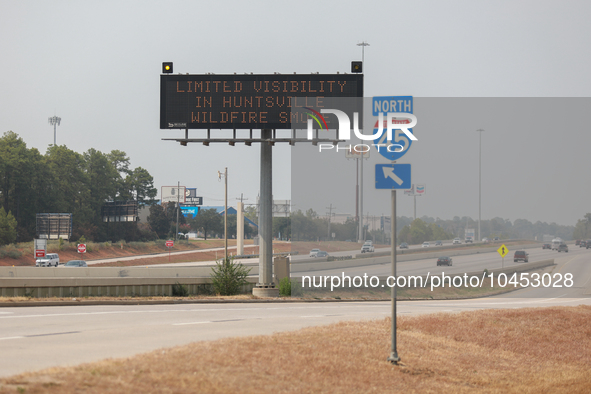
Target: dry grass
490,351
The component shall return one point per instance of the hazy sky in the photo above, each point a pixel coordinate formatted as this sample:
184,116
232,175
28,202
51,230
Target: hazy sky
96,64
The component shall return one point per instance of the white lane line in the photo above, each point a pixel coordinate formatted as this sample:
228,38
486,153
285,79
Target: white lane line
5,338
359,305
5,313
195,322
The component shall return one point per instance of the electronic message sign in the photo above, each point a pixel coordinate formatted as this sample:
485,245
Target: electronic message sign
247,101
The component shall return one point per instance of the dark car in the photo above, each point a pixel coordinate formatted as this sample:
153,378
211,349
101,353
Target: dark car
546,246
444,260
404,245
322,253
577,242
562,248
588,244
520,255
438,243
76,263
583,244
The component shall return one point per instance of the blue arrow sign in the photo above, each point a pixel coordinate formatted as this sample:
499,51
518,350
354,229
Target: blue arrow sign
397,147
393,176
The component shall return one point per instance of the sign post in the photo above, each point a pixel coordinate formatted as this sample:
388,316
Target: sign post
169,245
393,176
503,252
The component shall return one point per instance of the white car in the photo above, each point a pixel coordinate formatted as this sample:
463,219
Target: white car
425,245
367,248
457,241
50,259
314,252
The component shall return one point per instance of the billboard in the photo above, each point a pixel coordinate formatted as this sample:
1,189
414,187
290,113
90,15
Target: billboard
120,211
247,101
172,194
192,211
54,225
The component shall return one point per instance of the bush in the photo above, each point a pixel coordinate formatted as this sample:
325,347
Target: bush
179,290
285,287
228,277
14,254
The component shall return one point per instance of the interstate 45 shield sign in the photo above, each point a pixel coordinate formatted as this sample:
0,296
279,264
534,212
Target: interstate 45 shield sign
399,144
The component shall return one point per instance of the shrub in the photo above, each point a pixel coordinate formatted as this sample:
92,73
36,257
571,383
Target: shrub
227,277
285,287
179,290
14,254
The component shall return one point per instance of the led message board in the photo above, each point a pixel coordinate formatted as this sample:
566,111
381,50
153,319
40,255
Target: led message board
247,101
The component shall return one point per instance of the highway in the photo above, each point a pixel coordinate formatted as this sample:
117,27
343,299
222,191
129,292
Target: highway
33,338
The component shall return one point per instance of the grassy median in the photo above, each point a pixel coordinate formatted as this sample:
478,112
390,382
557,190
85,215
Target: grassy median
491,351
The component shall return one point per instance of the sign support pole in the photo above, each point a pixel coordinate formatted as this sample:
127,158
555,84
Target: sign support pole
394,359
266,287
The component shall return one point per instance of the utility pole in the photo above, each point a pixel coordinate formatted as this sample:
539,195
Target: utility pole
178,208
329,216
362,44
479,178
54,121
225,175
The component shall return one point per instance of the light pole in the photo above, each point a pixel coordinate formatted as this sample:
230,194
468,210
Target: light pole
361,236
225,175
479,178
54,121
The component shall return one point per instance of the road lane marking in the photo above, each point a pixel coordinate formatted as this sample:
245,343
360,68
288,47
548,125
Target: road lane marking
195,322
6,338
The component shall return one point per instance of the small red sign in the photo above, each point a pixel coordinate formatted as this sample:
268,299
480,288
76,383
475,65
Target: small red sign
169,243
39,253
81,248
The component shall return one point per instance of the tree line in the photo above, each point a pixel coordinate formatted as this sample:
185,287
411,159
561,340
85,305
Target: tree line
64,181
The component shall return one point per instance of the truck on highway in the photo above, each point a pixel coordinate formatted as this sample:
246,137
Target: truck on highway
556,243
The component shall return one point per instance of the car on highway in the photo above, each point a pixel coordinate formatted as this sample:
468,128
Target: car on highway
496,238
367,248
444,260
50,259
438,243
314,252
404,245
546,246
456,241
563,248
469,240
583,244
577,242
322,253
588,244
486,240
76,263
521,255
425,245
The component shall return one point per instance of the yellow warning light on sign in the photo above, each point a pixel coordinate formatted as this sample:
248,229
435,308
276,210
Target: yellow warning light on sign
503,250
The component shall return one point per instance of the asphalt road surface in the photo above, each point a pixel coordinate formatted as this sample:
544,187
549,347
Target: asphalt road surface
33,338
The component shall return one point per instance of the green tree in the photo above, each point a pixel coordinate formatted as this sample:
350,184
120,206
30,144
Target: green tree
583,228
159,221
140,185
7,227
208,221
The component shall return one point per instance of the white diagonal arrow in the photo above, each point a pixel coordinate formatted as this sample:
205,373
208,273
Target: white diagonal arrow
389,172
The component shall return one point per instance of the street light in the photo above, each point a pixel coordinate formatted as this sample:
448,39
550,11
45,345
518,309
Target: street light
225,175
360,223
479,178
